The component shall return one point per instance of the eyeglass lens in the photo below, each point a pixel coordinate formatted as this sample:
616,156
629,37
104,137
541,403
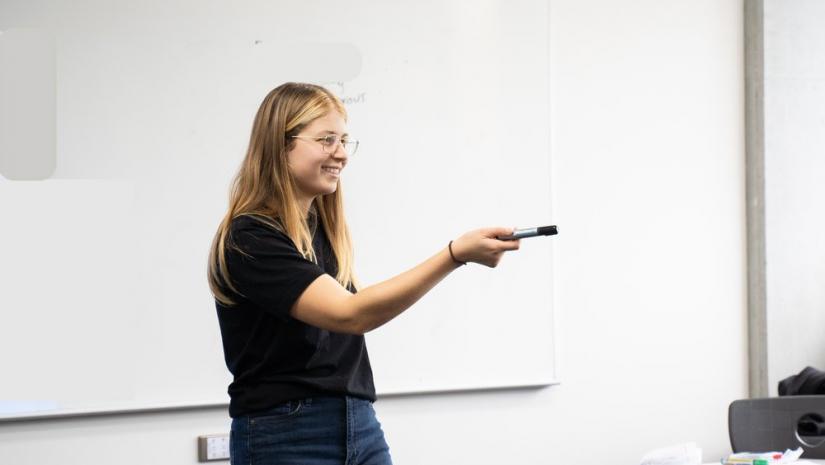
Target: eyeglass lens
330,143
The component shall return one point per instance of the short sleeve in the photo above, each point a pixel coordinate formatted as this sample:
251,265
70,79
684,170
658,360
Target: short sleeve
270,272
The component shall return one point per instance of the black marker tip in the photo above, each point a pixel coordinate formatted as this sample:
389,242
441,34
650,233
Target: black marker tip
548,231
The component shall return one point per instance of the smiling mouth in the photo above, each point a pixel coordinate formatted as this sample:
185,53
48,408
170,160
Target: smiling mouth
335,171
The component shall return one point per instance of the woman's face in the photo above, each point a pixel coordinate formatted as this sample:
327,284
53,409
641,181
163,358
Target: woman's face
315,171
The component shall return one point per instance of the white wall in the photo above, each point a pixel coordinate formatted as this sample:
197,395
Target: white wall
650,275
794,190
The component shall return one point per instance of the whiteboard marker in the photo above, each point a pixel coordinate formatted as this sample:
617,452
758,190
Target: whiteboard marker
530,232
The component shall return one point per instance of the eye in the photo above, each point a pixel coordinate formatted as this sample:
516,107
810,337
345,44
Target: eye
329,140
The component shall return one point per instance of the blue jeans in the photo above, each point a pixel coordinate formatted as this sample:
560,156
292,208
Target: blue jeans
315,431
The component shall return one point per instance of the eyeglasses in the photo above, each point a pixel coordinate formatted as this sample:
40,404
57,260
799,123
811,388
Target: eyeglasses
331,141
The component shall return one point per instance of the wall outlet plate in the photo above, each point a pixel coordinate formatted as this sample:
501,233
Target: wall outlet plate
213,447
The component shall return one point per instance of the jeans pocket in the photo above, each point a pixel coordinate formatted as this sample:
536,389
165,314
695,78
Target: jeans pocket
278,413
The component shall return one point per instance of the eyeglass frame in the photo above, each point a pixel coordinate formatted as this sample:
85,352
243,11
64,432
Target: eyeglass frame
339,141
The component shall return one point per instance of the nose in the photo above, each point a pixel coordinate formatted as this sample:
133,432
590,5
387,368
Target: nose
340,151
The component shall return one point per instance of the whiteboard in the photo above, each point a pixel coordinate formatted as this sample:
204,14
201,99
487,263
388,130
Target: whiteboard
105,303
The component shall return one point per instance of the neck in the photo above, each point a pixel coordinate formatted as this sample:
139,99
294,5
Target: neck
306,205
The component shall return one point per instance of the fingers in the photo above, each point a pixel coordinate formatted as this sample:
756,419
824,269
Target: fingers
510,245
502,245
482,246
492,233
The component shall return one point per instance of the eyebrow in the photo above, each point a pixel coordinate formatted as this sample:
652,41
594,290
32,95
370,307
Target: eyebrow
333,132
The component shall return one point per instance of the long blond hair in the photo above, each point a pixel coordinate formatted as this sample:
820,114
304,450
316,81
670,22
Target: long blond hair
265,189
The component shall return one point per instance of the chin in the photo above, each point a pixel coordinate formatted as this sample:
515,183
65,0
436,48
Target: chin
326,190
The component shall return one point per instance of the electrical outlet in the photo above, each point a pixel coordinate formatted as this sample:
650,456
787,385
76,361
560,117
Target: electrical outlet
213,447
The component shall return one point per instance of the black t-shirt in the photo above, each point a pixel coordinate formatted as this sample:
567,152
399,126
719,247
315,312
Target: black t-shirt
275,358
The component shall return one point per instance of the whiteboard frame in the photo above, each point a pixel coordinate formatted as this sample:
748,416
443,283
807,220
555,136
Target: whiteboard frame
170,408
543,380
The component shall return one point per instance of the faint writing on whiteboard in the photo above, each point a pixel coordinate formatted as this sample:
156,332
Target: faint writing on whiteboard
339,89
354,100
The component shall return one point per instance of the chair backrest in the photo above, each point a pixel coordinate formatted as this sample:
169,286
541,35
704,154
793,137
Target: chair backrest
778,423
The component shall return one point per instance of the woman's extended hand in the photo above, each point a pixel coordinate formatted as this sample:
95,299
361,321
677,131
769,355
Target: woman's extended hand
482,247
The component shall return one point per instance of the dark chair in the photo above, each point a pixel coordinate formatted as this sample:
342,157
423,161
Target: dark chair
778,423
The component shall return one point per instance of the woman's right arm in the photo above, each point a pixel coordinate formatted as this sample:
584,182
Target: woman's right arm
328,305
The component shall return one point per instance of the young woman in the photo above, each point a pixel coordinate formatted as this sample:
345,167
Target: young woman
280,269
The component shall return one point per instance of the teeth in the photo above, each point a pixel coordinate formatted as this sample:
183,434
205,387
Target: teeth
332,170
